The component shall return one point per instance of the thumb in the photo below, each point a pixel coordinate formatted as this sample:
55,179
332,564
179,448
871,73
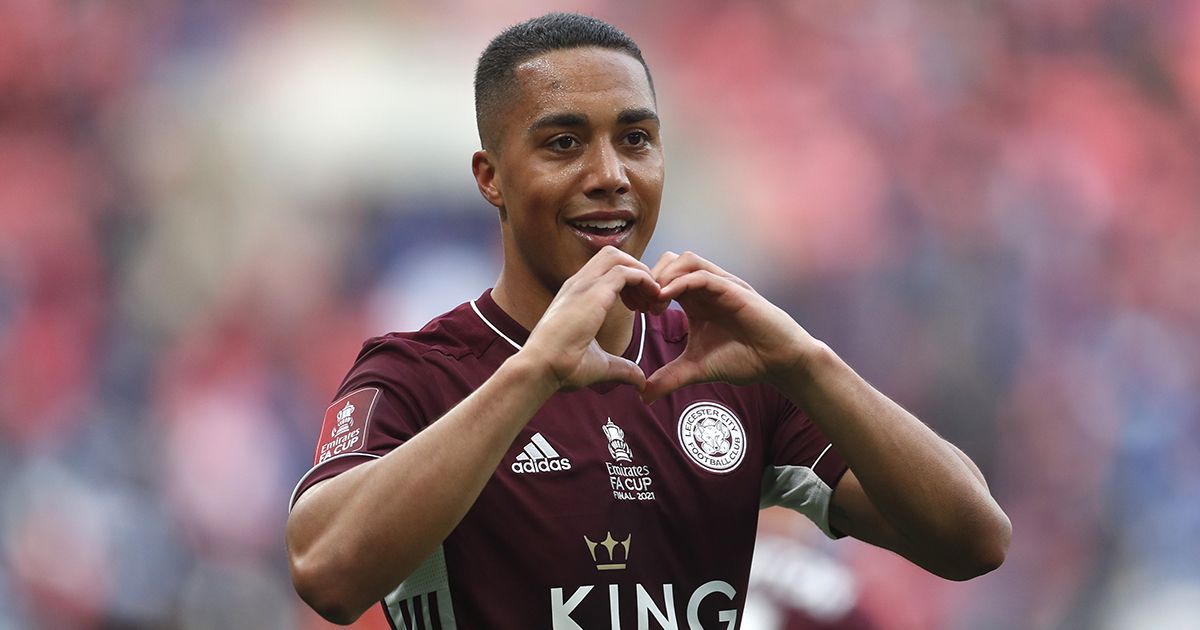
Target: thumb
623,370
671,377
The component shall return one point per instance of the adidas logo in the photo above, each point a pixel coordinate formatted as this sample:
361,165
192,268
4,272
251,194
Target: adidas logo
539,456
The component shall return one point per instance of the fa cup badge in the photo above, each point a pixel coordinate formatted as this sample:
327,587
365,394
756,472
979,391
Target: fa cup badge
616,442
344,418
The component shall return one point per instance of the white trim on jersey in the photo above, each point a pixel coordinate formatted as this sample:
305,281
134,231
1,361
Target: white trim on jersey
292,501
493,327
641,340
814,466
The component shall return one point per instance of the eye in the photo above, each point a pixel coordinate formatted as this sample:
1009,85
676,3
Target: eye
637,138
564,143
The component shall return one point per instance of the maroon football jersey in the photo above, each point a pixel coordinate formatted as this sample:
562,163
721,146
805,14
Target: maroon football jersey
605,512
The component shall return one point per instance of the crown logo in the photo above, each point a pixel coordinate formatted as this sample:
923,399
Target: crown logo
344,418
610,545
616,442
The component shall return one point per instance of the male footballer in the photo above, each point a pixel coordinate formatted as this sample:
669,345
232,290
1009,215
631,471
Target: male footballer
565,452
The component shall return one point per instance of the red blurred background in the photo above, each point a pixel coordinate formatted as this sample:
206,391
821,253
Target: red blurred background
992,209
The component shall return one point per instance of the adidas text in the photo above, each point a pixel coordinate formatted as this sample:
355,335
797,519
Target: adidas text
542,465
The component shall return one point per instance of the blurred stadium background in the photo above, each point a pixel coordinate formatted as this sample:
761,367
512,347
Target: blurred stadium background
992,209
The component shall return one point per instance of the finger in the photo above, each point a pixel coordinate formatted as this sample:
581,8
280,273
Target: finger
639,298
620,278
670,377
667,258
684,263
610,257
689,262
643,295
697,281
598,265
660,306
636,288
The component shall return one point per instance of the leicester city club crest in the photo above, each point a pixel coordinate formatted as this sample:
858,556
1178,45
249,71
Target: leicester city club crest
712,436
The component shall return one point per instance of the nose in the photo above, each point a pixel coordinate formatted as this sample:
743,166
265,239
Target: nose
607,175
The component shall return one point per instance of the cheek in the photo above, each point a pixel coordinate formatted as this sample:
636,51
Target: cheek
547,194
556,182
649,173
650,188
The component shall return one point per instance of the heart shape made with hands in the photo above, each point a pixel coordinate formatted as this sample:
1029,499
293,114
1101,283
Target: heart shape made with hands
735,335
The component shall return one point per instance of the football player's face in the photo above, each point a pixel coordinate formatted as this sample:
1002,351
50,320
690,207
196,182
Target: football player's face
579,163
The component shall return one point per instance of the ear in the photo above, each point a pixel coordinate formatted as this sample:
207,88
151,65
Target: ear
483,165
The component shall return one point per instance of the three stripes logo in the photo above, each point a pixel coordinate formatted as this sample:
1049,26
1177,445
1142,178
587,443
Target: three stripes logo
419,613
539,456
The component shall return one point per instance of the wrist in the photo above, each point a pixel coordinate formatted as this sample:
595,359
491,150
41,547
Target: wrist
532,373
809,357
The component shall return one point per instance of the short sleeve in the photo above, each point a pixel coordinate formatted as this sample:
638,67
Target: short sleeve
380,405
802,467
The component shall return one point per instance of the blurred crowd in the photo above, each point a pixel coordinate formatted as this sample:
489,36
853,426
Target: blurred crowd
991,209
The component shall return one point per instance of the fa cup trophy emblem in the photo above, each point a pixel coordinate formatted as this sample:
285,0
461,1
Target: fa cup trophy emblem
616,442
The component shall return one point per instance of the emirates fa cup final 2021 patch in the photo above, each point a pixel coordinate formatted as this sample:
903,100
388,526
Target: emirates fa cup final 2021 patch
345,427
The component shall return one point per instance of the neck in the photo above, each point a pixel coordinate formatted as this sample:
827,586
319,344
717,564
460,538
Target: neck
526,302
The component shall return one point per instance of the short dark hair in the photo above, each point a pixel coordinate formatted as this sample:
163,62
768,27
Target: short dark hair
524,41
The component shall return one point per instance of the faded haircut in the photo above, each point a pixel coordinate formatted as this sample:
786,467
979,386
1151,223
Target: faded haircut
494,75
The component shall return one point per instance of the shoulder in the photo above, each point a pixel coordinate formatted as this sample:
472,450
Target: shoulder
444,344
454,335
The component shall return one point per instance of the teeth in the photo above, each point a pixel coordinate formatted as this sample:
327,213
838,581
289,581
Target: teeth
610,224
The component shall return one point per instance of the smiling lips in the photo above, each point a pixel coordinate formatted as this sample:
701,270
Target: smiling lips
599,229
601,226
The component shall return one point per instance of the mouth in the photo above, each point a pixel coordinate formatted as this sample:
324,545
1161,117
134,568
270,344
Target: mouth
602,227
598,229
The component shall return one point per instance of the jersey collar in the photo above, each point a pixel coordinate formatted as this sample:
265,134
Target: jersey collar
515,335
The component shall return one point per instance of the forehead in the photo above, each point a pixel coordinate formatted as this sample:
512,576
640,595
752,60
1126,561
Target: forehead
591,80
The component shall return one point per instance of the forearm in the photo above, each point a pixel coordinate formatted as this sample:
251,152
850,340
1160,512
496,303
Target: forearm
923,487
361,533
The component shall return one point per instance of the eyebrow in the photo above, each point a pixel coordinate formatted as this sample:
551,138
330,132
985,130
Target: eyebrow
565,119
572,119
630,116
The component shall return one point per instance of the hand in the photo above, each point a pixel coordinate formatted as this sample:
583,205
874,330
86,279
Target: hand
564,340
735,335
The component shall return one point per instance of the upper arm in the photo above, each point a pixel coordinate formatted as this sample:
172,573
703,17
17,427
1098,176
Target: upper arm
385,399
318,506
